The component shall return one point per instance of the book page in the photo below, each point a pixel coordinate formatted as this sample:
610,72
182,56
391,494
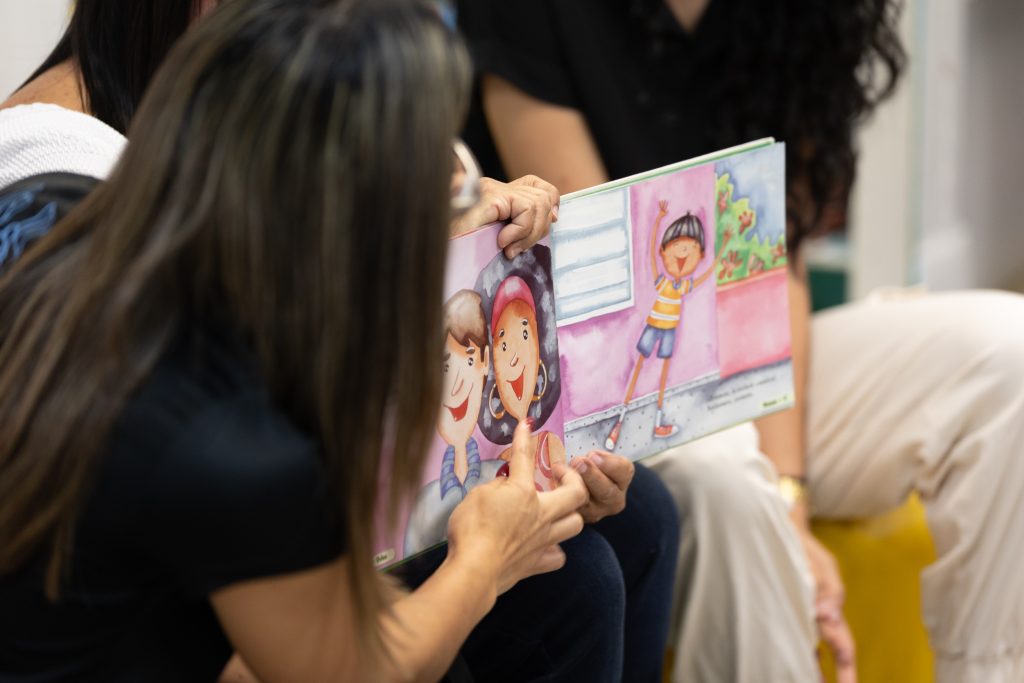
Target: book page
500,366
671,304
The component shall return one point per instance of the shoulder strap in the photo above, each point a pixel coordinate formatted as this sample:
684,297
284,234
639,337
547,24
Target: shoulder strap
31,207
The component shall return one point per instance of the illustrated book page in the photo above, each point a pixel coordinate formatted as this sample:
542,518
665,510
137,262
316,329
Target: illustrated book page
655,313
500,366
671,302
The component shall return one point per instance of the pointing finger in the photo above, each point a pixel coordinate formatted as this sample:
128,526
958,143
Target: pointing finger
521,462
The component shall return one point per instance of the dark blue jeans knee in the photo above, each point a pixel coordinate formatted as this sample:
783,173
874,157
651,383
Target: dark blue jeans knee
563,626
645,539
604,617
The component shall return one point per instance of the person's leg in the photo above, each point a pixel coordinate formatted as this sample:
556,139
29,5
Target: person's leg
562,626
927,394
744,597
645,539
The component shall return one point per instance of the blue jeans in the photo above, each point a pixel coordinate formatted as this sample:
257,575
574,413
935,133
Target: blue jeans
603,617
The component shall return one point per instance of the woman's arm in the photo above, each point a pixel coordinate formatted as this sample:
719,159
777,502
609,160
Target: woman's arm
301,627
783,441
782,434
535,137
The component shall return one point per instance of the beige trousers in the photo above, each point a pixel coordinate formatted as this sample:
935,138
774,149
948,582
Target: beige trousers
906,393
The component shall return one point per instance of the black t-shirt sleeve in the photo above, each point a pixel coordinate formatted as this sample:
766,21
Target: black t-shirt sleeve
240,494
518,41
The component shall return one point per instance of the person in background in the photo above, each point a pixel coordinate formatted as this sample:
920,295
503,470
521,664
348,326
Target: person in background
73,113
894,394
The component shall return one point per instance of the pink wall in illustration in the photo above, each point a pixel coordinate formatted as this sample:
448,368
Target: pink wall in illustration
753,328
598,355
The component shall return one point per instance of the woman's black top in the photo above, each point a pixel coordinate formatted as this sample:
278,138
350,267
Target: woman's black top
640,81
205,484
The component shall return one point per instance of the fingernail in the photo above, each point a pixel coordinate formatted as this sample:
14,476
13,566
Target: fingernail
580,465
554,213
597,459
531,423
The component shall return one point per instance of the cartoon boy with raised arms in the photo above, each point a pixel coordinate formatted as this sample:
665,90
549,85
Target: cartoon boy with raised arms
466,363
682,248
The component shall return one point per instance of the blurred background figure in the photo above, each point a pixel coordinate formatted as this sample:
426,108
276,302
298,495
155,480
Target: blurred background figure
581,93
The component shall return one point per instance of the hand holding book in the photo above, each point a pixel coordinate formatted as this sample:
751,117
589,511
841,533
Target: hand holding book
528,206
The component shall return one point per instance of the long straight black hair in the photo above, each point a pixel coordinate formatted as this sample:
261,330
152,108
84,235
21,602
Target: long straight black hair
287,175
118,45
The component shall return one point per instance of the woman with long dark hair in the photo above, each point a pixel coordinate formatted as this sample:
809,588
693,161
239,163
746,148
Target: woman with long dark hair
205,374
595,91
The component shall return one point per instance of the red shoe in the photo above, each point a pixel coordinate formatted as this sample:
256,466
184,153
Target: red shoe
665,431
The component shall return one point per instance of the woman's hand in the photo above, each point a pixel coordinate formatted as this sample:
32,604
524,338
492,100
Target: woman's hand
529,205
828,606
607,477
510,529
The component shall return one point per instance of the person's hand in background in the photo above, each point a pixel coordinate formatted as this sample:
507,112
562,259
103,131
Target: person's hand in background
829,597
607,477
528,205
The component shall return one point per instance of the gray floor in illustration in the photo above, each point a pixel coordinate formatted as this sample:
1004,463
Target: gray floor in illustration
697,409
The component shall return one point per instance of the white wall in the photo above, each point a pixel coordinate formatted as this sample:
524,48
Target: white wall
990,150
29,29
937,200
881,209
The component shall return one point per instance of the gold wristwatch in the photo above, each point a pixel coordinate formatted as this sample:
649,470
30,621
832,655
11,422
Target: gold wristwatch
793,490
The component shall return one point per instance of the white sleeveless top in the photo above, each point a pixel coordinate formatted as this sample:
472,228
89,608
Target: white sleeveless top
45,138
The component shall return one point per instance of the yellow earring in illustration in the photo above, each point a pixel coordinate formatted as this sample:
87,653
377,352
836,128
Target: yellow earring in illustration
544,387
490,404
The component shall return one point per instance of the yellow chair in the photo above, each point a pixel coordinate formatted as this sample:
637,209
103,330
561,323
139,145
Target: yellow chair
881,560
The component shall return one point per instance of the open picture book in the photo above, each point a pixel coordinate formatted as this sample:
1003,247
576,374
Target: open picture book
655,313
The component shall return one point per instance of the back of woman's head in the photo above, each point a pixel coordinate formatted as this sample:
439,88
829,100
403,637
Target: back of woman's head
288,175
118,45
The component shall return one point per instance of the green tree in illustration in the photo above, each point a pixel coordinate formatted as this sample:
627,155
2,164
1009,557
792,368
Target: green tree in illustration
746,254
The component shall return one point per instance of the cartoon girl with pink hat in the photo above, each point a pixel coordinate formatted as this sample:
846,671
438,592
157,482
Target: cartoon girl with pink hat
524,382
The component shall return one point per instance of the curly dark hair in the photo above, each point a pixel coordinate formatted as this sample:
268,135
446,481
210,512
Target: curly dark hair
805,72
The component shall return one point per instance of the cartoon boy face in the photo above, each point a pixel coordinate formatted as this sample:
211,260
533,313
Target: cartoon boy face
465,371
681,256
516,357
